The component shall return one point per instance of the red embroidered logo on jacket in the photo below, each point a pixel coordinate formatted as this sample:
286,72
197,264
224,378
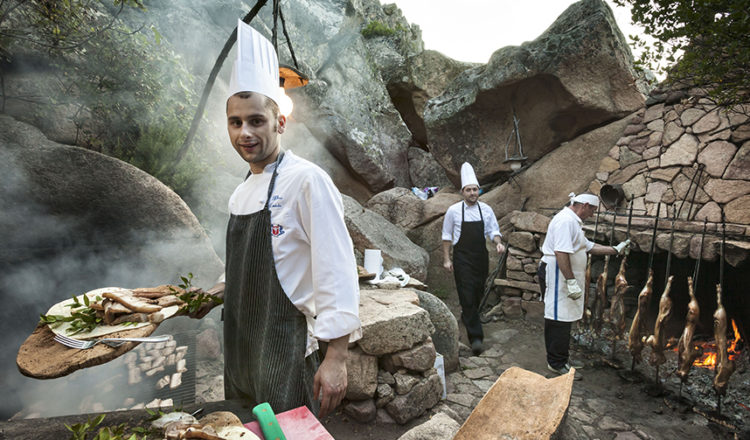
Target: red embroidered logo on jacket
277,230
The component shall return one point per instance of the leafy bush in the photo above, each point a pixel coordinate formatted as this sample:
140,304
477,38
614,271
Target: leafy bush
377,29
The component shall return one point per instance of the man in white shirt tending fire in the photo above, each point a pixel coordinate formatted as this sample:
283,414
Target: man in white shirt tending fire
291,277
561,276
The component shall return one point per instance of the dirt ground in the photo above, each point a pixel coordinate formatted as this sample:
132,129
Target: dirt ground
608,403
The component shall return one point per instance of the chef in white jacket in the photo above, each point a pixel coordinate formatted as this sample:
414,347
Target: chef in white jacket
561,276
291,276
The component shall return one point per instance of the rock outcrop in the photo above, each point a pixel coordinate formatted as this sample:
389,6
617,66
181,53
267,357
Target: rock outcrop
370,230
576,76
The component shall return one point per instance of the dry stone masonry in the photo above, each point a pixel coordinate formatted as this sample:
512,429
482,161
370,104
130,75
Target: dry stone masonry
390,370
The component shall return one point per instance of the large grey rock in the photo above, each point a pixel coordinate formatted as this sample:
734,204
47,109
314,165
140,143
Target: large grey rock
413,83
682,152
391,321
421,357
530,221
739,168
549,83
738,210
362,375
100,221
439,427
547,183
716,156
422,397
401,207
425,171
362,411
370,230
445,336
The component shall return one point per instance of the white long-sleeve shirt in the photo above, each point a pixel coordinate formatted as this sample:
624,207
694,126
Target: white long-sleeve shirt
312,250
452,220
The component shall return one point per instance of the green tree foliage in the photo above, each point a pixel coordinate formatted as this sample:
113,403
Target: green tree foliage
700,42
126,90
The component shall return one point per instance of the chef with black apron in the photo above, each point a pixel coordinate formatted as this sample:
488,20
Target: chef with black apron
465,226
291,276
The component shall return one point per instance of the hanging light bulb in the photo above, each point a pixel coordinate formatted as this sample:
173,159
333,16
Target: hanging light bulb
285,103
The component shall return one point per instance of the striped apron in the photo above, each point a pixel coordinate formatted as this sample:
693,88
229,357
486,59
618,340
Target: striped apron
265,335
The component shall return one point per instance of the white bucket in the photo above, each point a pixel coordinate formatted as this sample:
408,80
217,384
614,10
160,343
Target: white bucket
374,262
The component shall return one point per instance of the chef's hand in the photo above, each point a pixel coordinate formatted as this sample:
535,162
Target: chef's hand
217,291
623,246
500,248
448,265
574,290
329,385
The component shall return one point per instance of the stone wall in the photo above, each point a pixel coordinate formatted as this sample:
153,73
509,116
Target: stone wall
520,294
390,370
681,133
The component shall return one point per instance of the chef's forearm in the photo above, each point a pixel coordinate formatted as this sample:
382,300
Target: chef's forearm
563,263
446,251
338,349
217,290
600,249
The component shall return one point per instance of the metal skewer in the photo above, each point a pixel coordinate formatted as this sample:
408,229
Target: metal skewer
721,289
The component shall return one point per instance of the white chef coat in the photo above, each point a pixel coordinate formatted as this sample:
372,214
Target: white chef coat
312,250
452,220
564,234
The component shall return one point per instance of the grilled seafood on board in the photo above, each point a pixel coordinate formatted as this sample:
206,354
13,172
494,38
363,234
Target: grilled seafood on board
687,352
724,366
657,341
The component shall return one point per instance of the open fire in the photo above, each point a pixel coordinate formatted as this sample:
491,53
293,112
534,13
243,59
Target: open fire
708,358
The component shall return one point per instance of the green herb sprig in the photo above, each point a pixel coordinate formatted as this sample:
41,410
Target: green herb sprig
83,320
194,300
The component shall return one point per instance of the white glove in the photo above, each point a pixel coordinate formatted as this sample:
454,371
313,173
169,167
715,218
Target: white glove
574,291
622,246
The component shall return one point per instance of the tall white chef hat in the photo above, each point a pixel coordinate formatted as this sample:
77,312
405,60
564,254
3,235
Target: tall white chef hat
584,198
467,175
256,68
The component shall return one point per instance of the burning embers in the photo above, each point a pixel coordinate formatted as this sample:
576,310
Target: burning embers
709,356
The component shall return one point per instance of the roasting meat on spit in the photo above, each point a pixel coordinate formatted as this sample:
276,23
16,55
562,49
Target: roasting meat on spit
617,307
657,341
600,300
687,352
724,366
638,326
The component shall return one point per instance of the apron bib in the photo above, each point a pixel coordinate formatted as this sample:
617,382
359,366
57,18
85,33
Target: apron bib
265,335
470,269
557,305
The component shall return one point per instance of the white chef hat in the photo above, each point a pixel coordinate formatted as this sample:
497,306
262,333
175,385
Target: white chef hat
256,68
584,198
467,175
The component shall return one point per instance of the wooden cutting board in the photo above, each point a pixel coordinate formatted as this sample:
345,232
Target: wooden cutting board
41,357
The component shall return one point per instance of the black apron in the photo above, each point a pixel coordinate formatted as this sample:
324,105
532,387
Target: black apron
470,269
265,335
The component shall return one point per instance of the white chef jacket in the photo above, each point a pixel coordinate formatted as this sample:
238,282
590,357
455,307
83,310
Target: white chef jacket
564,234
452,220
312,250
